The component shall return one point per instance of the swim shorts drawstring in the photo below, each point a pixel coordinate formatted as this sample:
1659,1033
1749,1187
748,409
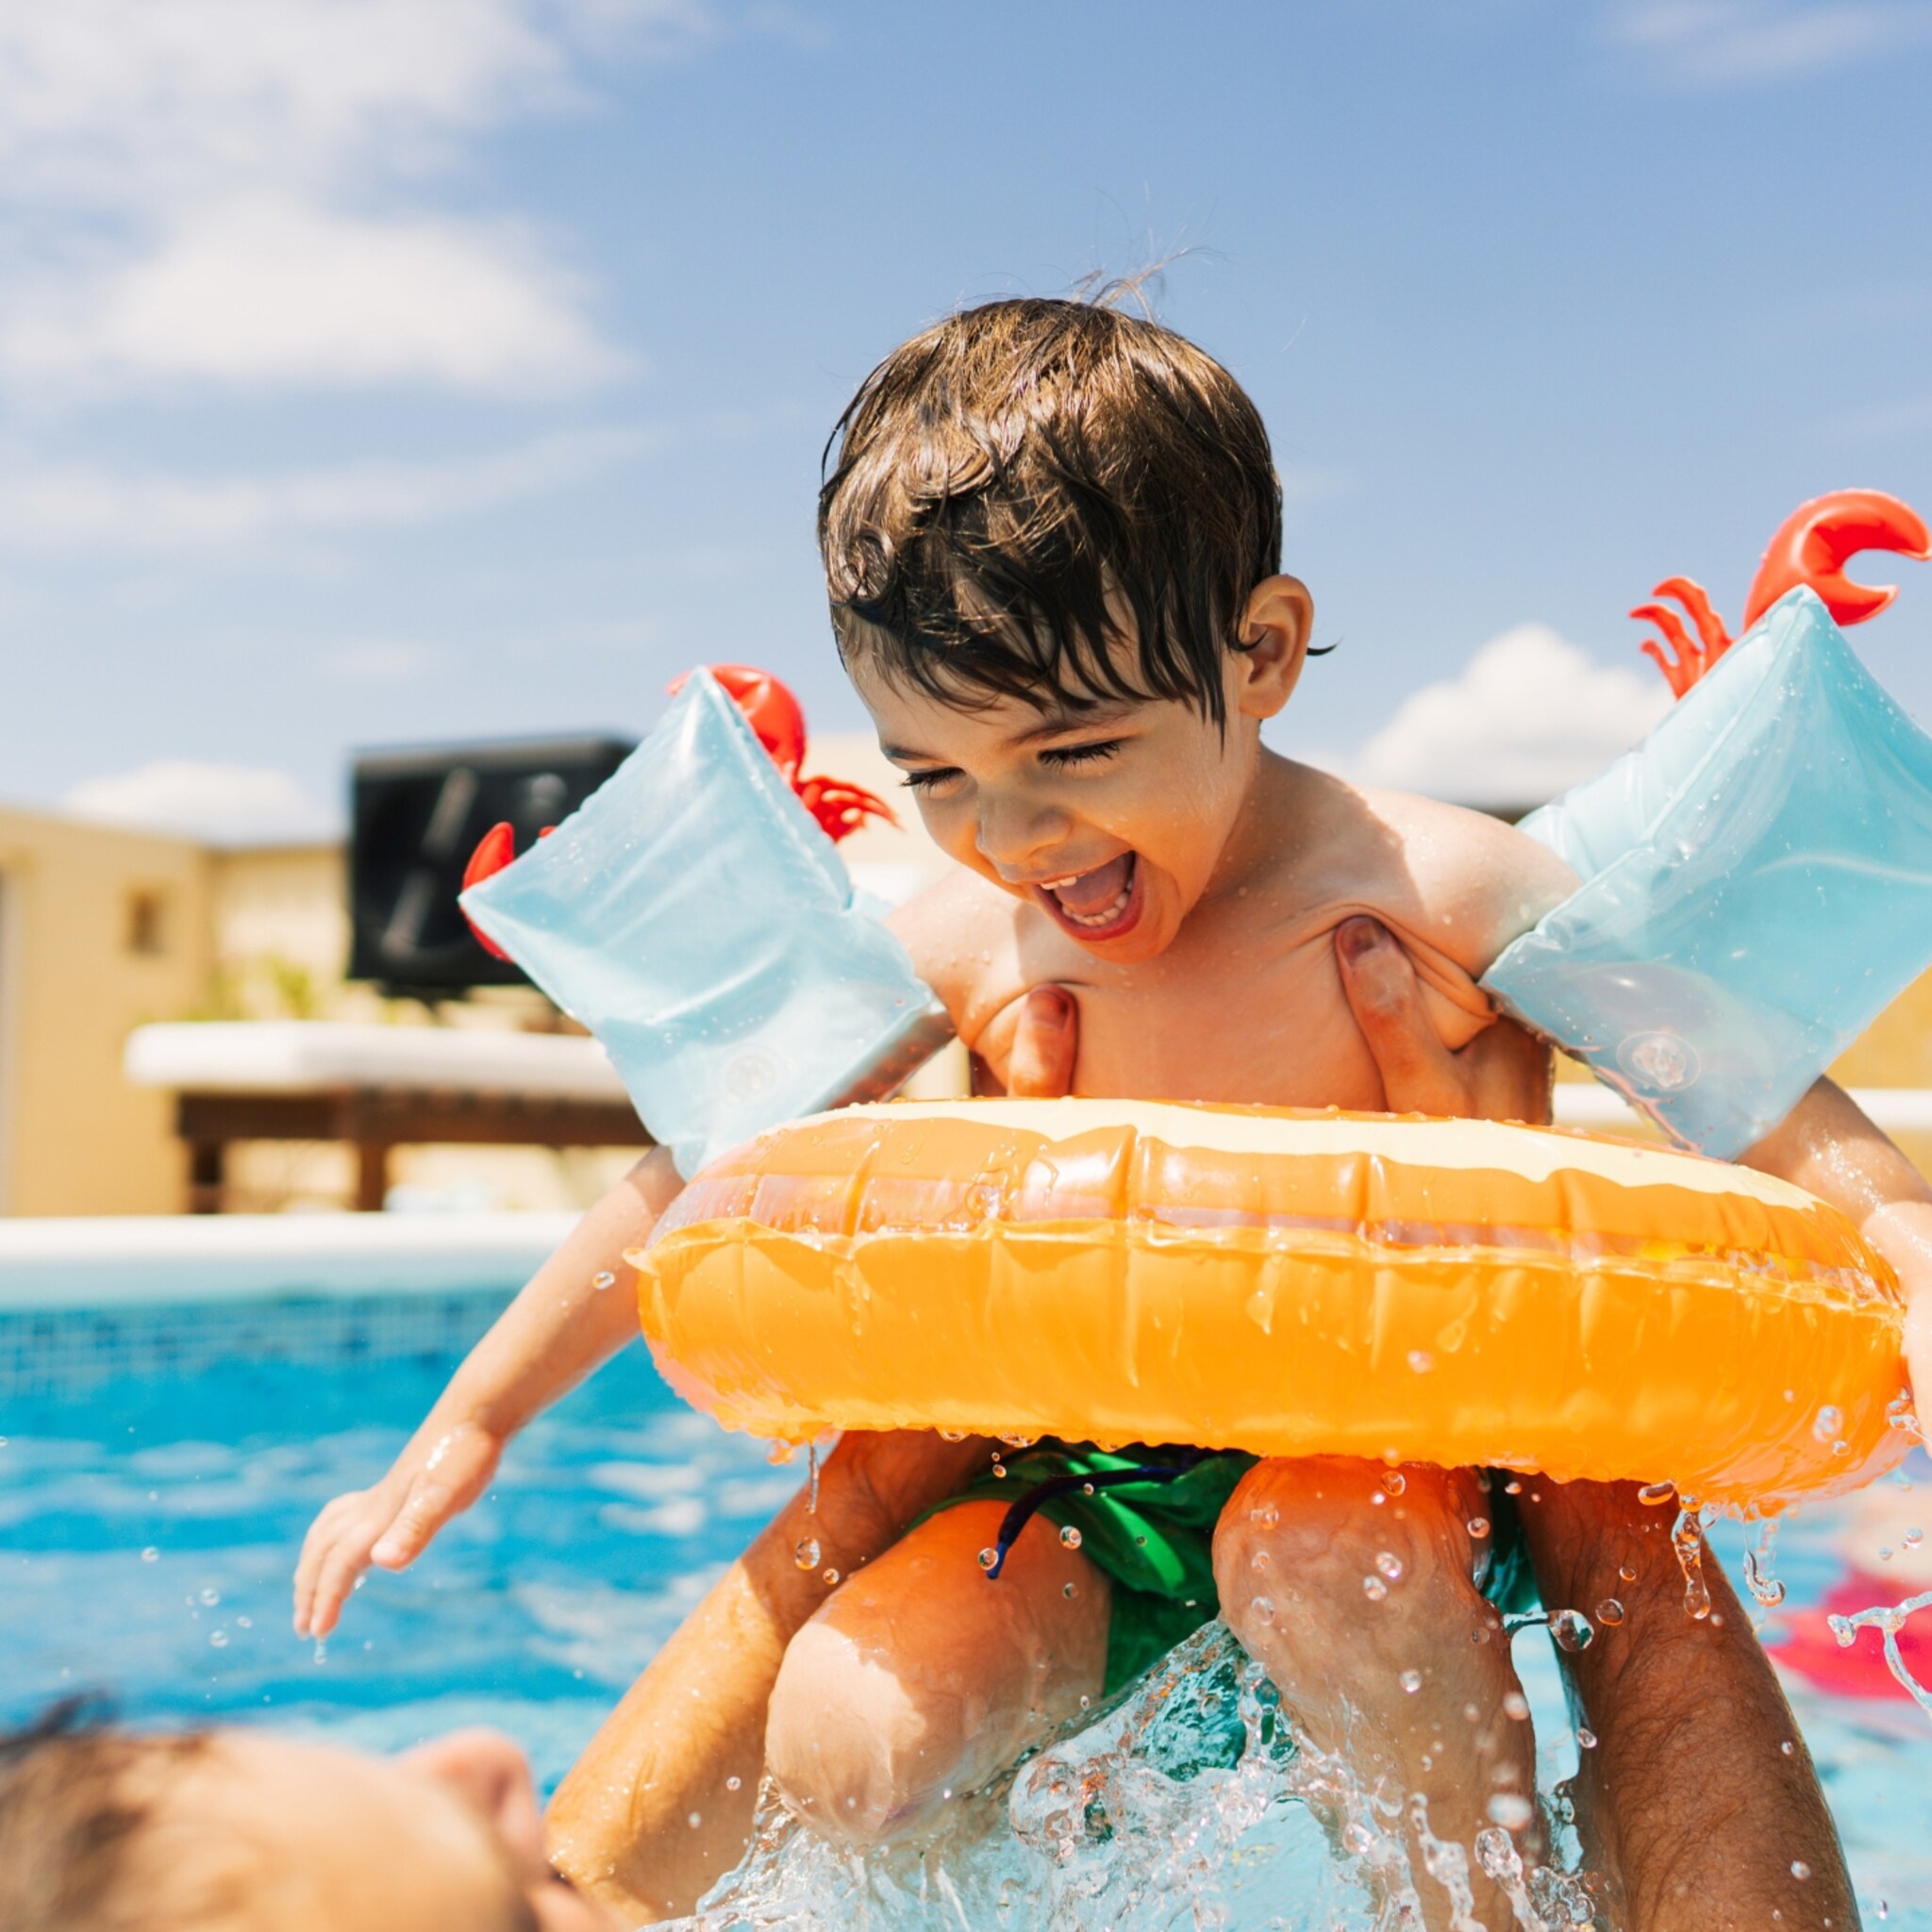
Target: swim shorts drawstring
1024,1510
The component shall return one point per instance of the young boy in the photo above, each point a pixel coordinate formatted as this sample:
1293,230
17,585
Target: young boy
1052,538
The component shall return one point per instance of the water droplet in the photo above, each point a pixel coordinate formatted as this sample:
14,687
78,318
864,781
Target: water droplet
244,1623
1086,1489
1412,1681
1070,1538
1787,1748
1512,1487
1800,1870
602,1280
1687,1540
1356,1839
150,1555
219,1638
831,1577
1841,1448
734,1782
1378,1499
1511,1811
999,1469
1085,1701
211,1597
1261,1560
1627,1575
987,1557
1420,1361
952,1435
1395,1483
806,1554
1830,1422
1586,1739
1653,1496
1885,1552
1478,1527
1375,1589
696,1819
1068,1591
1912,1539
1390,1564
1261,1609
1610,1612
1515,1704
1265,1515
1019,1441
1572,1630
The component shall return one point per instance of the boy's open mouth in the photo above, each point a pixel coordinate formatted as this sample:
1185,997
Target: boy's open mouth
1098,905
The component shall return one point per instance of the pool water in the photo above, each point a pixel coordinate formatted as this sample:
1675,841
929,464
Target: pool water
156,1483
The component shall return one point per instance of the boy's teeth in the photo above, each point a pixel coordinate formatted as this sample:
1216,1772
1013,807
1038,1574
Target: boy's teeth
1077,895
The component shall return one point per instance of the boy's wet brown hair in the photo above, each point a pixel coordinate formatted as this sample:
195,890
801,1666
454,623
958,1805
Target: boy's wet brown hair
1012,490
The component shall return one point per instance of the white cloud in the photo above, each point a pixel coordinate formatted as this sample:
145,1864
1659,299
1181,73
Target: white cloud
75,507
1735,42
239,189
266,290
1529,715
221,805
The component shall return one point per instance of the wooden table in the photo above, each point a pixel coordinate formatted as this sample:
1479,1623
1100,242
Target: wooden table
375,1089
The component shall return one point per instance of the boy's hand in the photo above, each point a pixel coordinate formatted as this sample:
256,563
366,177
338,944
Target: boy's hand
391,1525
1502,1075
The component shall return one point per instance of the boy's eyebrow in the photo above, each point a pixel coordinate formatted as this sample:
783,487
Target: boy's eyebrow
1051,725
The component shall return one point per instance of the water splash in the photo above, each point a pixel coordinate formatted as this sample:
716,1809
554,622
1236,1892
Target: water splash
1687,1540
1186,1807
1758,1558
1888,1620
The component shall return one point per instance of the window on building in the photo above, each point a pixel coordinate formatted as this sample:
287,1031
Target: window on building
147,922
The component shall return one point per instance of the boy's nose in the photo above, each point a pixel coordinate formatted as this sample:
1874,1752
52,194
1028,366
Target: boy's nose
1014,837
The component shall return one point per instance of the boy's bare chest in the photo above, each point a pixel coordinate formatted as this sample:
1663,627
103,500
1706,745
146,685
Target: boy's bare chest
1255,1015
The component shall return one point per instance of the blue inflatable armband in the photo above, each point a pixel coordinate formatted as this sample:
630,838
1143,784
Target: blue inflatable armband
693,917
1758,888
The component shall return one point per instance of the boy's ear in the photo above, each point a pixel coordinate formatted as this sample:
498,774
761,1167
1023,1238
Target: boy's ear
1275,629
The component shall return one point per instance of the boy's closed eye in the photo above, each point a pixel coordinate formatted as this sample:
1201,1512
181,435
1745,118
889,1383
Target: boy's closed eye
1058,757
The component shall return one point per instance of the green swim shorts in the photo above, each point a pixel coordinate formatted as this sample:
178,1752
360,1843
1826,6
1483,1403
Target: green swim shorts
1152,1534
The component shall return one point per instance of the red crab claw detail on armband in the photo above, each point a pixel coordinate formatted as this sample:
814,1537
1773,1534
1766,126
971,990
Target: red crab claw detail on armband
1811,548
770,708
777,719
841,809
1688,662
494,850
1819,538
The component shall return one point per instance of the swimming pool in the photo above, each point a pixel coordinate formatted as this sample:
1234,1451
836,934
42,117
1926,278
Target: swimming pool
159,1463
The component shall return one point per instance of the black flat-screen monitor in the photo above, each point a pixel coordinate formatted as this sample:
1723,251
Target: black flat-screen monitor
415,817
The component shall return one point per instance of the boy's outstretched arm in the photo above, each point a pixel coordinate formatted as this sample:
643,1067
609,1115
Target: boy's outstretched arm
1830,1147
559,1327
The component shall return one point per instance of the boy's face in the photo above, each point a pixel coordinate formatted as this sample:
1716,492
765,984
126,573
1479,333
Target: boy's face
1114,821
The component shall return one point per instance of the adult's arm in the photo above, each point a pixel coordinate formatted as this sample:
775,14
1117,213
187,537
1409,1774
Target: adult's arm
1697,1802
661,1802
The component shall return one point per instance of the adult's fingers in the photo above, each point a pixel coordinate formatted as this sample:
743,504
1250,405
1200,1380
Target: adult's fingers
1510,1074
1419,1074
1044,1045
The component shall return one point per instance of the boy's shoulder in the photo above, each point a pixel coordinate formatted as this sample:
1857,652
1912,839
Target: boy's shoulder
963,936
1464,880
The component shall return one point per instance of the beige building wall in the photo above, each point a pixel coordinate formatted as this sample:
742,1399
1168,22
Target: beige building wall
100,930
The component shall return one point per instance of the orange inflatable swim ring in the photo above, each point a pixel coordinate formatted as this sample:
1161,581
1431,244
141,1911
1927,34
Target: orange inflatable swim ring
1285,1282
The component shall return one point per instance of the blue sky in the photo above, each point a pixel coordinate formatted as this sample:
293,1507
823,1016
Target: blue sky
401,370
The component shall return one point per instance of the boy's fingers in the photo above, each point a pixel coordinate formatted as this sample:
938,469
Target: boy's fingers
1419,1074
1045,1046
425,1510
